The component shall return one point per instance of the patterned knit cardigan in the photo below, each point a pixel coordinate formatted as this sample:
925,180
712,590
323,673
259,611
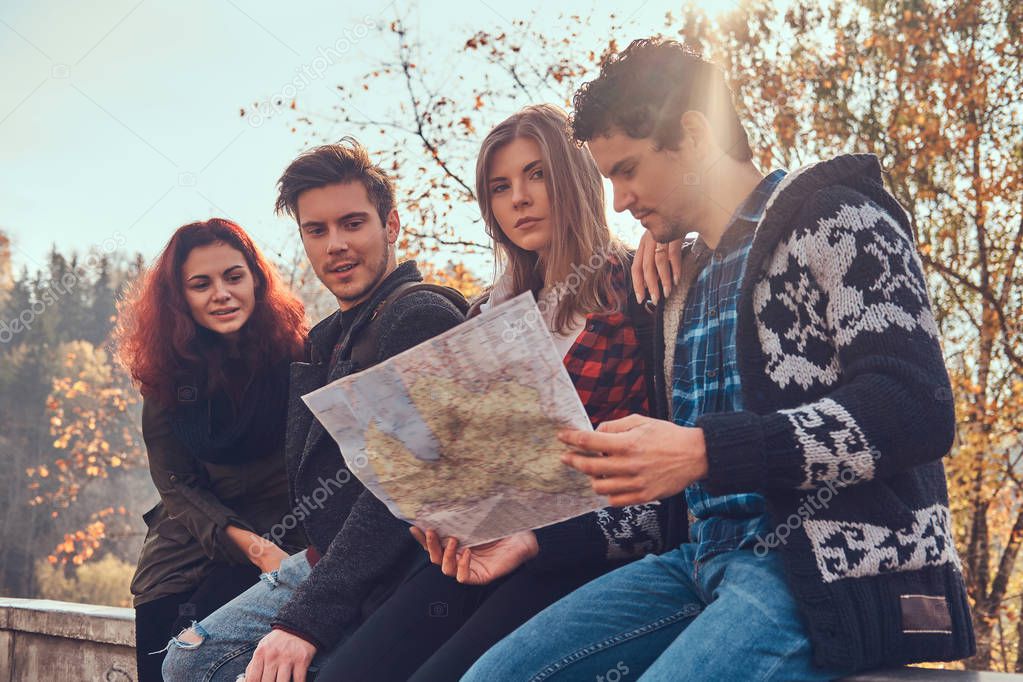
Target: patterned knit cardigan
848,414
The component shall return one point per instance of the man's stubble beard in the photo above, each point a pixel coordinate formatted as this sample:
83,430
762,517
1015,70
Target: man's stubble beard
671,229
681,222
379,273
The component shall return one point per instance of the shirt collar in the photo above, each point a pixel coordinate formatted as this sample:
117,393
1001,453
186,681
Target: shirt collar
744,221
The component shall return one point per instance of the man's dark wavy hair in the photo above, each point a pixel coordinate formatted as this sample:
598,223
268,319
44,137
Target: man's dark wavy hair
645,89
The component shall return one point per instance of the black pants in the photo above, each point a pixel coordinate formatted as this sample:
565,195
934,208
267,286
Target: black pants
157,621
432,629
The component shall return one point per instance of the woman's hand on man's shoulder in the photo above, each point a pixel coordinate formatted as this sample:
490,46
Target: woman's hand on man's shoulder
656,268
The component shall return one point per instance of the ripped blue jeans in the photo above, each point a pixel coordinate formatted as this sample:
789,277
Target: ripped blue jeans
230,634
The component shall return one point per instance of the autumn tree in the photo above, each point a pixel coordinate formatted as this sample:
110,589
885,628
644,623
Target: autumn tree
67,298
441,108
94,419
6,272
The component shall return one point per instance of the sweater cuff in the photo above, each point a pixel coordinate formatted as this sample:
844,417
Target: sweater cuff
299,634
736,461
747,452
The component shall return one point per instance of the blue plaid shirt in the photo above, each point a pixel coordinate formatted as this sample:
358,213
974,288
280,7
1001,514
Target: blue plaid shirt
706,374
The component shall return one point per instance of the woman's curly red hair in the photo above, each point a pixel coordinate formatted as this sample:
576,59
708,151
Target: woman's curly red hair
157,337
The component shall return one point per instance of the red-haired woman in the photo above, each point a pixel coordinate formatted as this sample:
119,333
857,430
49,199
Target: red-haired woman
208,336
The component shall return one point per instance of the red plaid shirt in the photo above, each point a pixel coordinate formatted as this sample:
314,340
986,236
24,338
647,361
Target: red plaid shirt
606,363
607,366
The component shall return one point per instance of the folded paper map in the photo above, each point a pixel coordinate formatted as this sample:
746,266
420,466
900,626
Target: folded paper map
458,434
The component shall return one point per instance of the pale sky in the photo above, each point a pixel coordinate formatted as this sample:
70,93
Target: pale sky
119,119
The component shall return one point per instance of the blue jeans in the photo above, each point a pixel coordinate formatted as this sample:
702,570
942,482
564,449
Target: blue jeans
230,634
668,618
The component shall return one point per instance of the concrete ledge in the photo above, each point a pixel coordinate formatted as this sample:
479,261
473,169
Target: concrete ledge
65,642
61,641
107,624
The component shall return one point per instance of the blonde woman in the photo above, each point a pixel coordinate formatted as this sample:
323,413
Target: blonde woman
542,201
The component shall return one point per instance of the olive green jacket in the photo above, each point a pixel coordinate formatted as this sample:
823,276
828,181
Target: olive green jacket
187,528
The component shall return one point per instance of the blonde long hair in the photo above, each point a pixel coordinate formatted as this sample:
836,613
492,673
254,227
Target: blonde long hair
582,247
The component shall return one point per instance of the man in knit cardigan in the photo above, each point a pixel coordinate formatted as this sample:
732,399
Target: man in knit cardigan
809,411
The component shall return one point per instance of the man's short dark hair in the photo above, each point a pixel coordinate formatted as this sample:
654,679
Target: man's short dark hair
645,89
344,161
